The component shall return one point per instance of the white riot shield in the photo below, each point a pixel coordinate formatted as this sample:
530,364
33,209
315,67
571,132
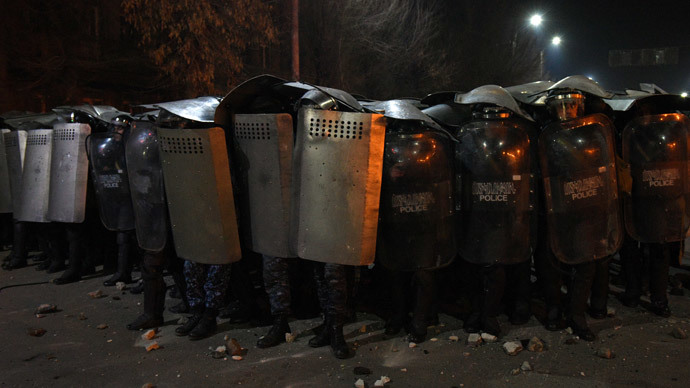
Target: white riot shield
5,191
35,192
69,173
196,173
337,167
15,147
265,144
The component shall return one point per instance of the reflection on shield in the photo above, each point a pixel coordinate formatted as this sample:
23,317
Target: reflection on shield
578,166
15,147
199,192
69,173
109,172
337,167
5,191
494,183
657,149
265,144
35,193
416,223
146,185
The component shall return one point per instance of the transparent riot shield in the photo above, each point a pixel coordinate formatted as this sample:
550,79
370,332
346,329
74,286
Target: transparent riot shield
578,166
495,206
416,216
109,172
69,173
15,148
35,192
265,144
657,149
145,176
5,191
337,168
199,192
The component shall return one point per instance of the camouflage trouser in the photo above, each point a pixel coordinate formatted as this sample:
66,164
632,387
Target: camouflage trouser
277,284
332,290
206,284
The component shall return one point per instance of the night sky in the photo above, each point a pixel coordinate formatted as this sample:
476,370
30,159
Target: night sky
590,29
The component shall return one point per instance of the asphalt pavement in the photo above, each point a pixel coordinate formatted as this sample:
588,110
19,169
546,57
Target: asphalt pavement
86,344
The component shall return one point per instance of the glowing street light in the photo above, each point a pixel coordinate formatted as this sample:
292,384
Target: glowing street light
556,40
535,20
684,94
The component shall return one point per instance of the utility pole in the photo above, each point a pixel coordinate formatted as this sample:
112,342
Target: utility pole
295,40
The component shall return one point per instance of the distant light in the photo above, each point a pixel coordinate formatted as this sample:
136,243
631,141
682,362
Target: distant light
536,20
556,40
684,94
591,77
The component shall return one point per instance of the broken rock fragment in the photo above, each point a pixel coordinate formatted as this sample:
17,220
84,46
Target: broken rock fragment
512,348
474,339
102,326
96,294
489,338
46,308
37,332
679,333
148,335
535,345
605,353
526,367
382,381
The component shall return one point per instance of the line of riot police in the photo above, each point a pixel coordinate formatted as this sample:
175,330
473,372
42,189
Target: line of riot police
481,184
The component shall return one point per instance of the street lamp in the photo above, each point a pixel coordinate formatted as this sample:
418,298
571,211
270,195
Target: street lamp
556,40
535,20
684,94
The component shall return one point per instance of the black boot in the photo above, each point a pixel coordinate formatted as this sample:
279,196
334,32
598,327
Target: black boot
323,338
16,262
145,321
473,323
180,308
338,344
191,323
554,319
207,325
582,331
124,265
276,334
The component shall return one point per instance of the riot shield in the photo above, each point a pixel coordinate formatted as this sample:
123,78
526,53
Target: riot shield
657,149
199,192
5,191
337,168
494,186
579,172
145,176
106,153
416,217
35,191
15,147
69,172
265,144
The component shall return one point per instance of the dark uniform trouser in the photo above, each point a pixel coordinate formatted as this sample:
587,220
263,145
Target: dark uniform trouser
19,238
331,284
207,284
152,268
656,266
600,285
424,286
277,284
581,277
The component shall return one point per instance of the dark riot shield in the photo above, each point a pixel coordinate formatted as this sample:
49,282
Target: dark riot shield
146,186
35,192
199,192
578,166
15,148
337,167
657,149
495,192
110,181
5,191
416,227
69,173
265,144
